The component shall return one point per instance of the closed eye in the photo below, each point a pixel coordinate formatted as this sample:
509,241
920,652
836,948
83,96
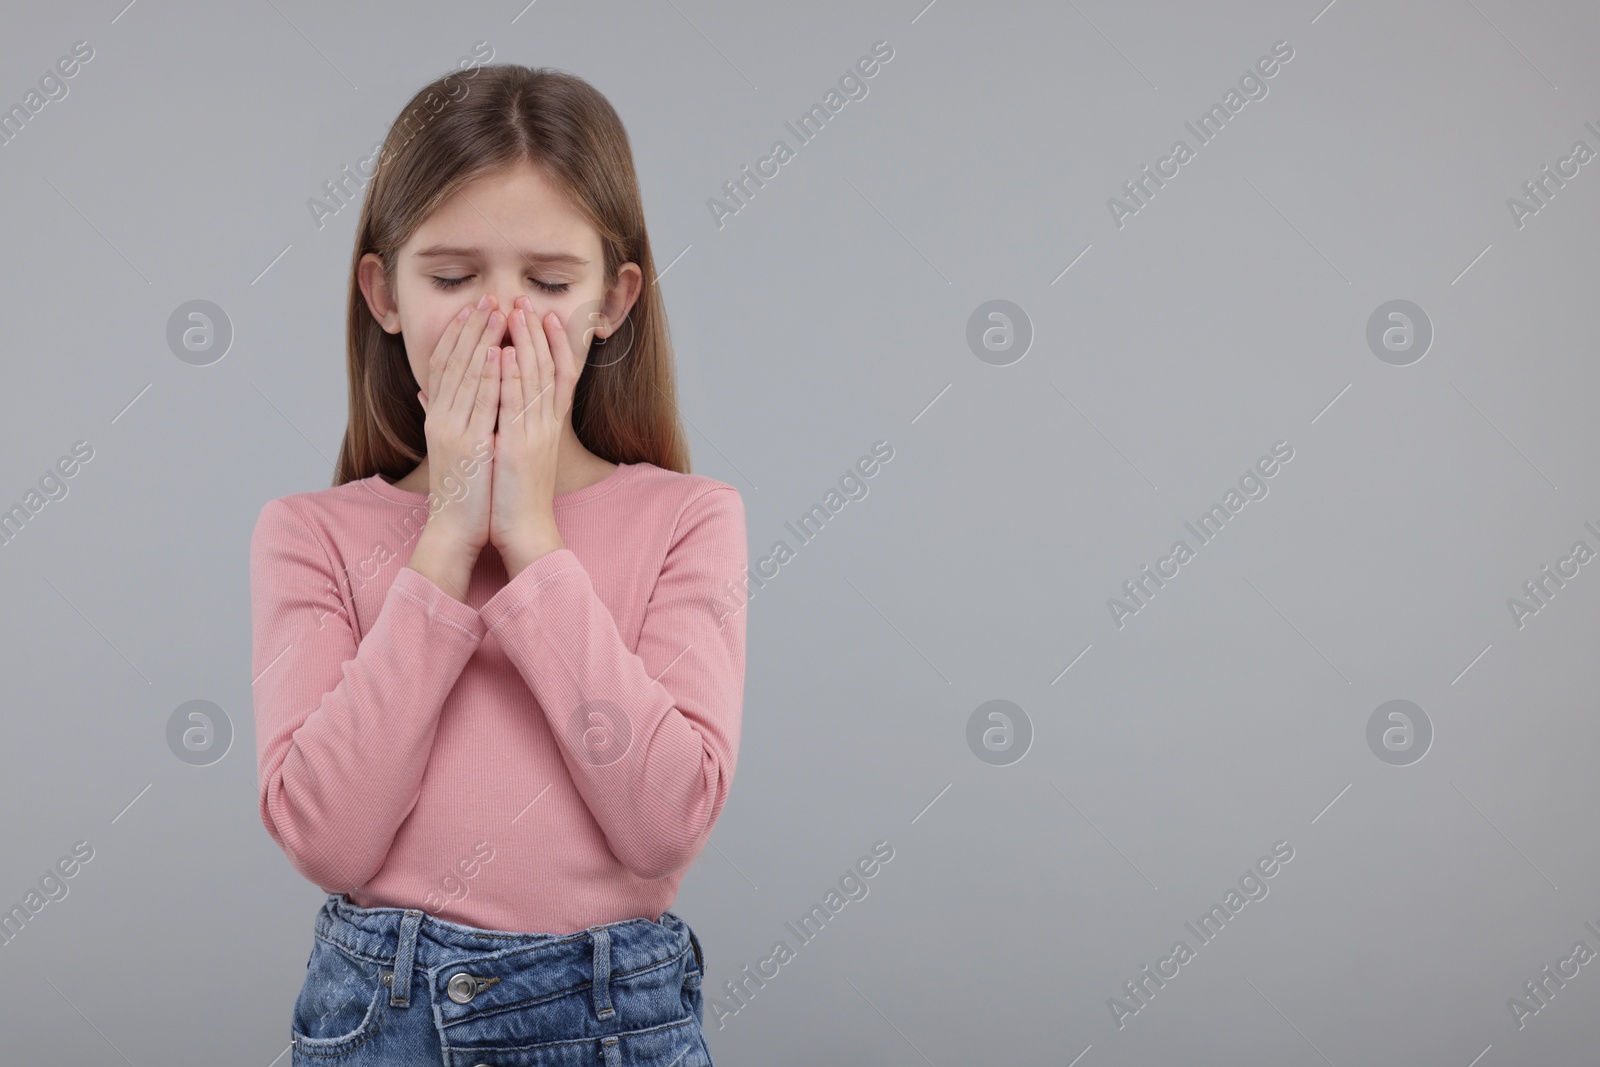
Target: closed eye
451,283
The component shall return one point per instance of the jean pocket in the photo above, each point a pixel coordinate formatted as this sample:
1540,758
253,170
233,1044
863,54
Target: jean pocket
340,1004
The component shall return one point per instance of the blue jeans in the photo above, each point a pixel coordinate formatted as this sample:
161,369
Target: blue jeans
398,987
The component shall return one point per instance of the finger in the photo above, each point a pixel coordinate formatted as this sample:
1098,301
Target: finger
521,329
487,400
534,368
565,367
510,389
527,360
495,329
528,367
447,345
543,342
527,381
459,414
467,345
467,391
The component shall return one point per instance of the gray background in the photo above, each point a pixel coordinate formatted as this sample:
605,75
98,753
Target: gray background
832,312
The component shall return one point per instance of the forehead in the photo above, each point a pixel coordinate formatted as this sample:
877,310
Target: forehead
498,214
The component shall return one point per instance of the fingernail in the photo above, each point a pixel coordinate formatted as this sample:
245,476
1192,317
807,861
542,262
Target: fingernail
464,313
483,301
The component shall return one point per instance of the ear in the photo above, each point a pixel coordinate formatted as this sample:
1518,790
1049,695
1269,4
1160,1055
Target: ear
620,298
379,296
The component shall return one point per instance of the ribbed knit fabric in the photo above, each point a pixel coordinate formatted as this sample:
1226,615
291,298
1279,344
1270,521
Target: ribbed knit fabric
551,754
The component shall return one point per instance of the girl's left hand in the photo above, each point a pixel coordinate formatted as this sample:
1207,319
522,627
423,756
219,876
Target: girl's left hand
537,378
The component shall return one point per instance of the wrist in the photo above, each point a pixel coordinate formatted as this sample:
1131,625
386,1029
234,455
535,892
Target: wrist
451,549
447,563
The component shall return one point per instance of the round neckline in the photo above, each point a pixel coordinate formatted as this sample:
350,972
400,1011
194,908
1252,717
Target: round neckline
390,491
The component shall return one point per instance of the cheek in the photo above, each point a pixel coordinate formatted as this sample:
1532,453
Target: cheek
581,324
582,318
422,340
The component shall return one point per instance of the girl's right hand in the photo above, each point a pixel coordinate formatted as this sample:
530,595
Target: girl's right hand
460,406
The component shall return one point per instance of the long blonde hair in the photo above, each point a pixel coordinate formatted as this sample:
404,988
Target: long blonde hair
623,410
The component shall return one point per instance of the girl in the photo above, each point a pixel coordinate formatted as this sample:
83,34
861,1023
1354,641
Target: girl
500,662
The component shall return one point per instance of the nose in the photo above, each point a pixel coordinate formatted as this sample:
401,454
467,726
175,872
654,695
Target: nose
505,304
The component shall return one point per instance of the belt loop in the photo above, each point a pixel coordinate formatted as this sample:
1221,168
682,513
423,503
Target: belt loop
699,955
401,994
602,972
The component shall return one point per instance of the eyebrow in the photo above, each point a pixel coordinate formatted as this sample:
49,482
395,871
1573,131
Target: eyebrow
551,258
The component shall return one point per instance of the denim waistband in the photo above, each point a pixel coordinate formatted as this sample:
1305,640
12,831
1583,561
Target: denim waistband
522,965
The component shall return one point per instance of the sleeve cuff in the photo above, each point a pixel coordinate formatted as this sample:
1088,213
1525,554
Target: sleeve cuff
414,585
522,590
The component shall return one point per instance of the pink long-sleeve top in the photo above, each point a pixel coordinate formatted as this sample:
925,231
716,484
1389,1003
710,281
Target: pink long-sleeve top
550,754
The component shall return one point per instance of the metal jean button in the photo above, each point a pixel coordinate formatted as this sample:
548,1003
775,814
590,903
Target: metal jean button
463,986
